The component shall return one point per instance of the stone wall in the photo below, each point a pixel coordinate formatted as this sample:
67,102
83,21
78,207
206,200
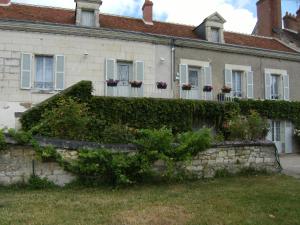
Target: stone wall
19,162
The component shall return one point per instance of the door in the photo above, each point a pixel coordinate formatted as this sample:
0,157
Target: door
194,80
123,77
276,135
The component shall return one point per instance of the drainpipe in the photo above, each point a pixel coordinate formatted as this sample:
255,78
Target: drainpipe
173,78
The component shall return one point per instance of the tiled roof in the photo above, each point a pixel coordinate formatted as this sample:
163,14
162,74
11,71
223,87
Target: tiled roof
64,16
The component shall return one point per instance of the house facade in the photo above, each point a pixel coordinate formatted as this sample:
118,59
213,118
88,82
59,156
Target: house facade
44,50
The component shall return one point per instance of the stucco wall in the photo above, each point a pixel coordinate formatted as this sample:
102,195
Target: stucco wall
257,64
18,163
78,66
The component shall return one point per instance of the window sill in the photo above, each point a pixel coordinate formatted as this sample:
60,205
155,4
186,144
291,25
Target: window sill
40,91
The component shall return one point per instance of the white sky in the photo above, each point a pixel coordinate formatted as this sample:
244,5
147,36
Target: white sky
192,12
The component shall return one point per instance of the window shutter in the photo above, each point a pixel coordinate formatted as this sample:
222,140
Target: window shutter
208,81
139,67
250,93
267,86
110,73
183,70
26,69
286,87
288,137
60,72
228,79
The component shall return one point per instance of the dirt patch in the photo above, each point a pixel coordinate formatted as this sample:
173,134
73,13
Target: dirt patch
153,215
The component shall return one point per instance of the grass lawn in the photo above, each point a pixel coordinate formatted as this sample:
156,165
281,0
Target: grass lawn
236,201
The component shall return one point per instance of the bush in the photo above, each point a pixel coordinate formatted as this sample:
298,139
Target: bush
2,141
21,137
69,120
37,183
252,127
117,134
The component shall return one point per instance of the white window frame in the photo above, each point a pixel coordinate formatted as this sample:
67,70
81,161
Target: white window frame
217,30
281,74
244,70
83,11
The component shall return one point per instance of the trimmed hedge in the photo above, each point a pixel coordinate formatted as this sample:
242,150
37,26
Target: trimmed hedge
82,91
177,114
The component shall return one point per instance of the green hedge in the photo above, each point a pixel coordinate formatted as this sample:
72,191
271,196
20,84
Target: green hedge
82,91
177,114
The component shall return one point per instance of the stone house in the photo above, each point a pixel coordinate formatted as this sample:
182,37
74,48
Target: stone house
44,50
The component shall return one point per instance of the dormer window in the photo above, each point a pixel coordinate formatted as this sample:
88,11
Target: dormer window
215,34
212,28
87,18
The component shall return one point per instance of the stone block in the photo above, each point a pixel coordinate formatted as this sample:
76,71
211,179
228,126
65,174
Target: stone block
219,160
5,180
259,160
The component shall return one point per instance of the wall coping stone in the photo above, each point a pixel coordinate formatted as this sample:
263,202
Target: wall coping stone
76,145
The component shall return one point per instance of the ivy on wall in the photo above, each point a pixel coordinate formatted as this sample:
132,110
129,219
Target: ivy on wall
176,114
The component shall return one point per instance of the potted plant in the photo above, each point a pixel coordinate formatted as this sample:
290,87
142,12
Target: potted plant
136,84
161,85
226,89
207,88
112,83
186,87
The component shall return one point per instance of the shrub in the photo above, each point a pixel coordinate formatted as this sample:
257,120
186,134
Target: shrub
191,143
237,128
35,182
69,120
21,137
258,127
2,140
117,134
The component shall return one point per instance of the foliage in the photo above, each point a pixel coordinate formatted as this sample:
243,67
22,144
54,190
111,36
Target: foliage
36,182
117,134
251,127
21,137
82,92
2,140
68,120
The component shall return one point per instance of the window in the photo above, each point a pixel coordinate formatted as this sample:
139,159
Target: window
194,77
44,73
215,35
87,18
237,83
275,86
275,128
124,73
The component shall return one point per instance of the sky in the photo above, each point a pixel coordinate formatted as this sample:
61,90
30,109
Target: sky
239,14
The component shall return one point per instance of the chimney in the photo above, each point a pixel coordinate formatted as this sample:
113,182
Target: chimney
148,12
290,22
269,17
5,2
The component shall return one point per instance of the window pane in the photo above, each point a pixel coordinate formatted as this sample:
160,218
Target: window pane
193,78
237,83
87,18
274,87
215,35
43,72
124,73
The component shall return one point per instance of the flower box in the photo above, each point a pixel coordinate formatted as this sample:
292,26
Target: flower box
207,88
186,87
161,85
112,83
136,84
226,89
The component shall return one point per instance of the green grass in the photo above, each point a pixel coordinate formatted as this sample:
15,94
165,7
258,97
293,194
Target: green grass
238,200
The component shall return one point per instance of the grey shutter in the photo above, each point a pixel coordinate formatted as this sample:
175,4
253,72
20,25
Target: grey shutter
250,93
110,73
87,18
60,72
288,137
139,68
267,86
286,87
228,79
26,69
282,134
269,135
208,81
183,70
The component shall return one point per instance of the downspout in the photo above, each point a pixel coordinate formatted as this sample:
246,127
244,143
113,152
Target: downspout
173,78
